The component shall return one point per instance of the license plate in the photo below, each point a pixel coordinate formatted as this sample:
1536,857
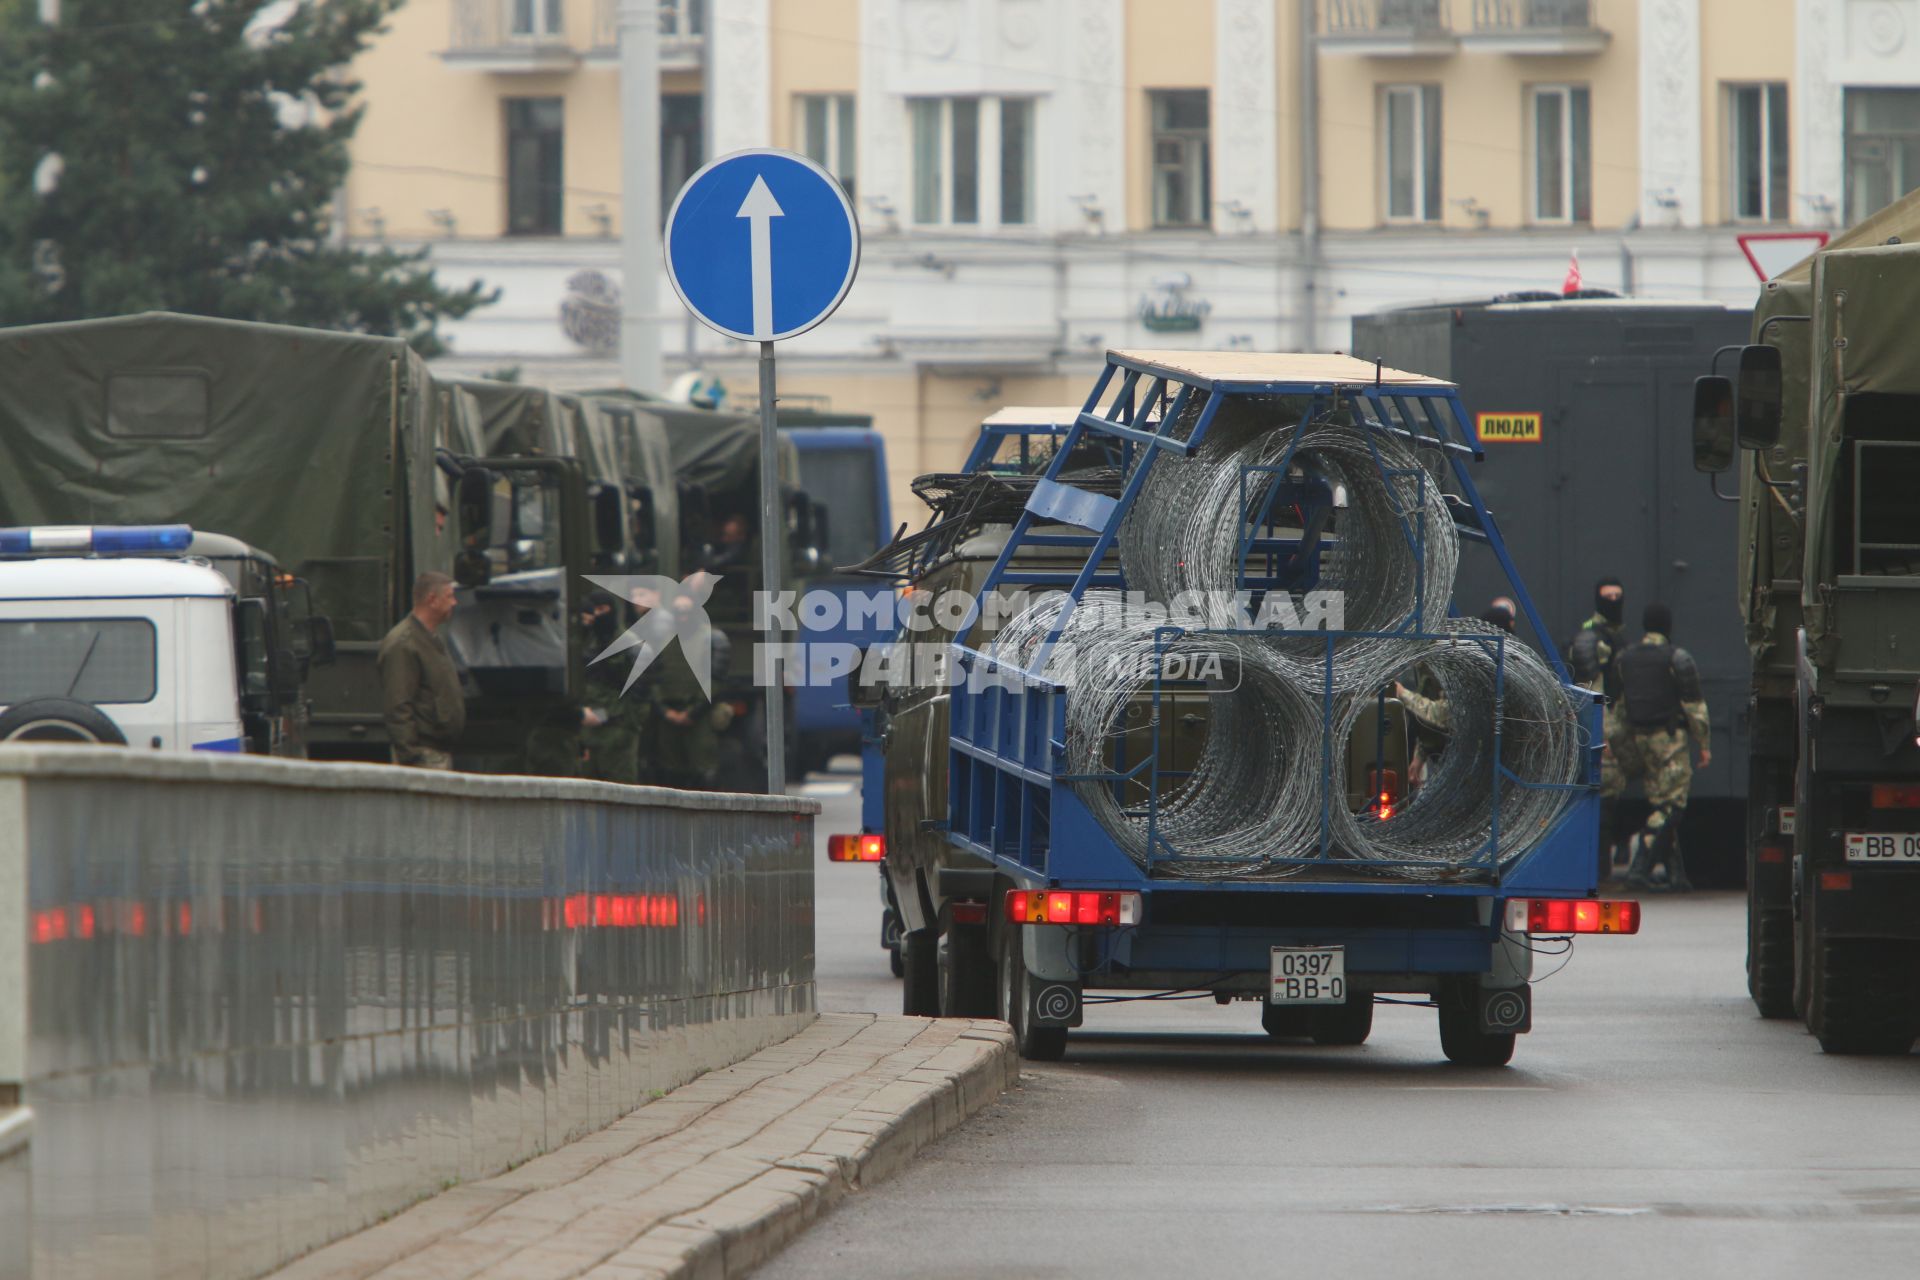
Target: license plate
1309,975
1883,846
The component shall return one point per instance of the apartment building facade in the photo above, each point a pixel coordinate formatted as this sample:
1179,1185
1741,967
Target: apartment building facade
1039,180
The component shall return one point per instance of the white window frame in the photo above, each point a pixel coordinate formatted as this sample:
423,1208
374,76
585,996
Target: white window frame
1417,93
1565,93
842,155
987,164
549,20
1731,100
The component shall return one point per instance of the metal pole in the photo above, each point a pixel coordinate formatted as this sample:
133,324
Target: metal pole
640,194
1308,301
772,549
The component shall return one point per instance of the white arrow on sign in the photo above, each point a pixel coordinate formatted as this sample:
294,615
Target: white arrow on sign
759,208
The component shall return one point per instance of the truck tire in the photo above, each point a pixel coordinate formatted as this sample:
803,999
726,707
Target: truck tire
1342,1024
1036,1044
1285,1021
59,720
1461,1038
920,979
967,973
1865,997
1770,961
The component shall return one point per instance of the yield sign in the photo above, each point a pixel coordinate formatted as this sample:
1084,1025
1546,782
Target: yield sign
1771,252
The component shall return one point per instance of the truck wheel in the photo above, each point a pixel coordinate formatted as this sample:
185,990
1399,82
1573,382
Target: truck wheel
1036,1044
1283,1021
890,939
1345,1024
920,988
59,720
1770,961
966,973
1864,997
895,963
1462,1040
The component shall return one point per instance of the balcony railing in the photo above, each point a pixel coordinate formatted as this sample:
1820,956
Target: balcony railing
510,36
683,32
1550,27
1387,28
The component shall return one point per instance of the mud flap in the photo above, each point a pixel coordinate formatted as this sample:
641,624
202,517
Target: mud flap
1505,1009
1054,1004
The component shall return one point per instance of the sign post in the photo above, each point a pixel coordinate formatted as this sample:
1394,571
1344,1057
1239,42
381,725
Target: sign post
763,245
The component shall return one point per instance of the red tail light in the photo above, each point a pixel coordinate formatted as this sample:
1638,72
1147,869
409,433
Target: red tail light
1572,915
1057,906
1836,879
1896,795
863,848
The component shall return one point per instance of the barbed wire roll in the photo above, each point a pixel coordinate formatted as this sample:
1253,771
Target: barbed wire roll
1449,819
1250,793
1393,546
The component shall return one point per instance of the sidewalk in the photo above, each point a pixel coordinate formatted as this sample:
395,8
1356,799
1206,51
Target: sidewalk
710,1179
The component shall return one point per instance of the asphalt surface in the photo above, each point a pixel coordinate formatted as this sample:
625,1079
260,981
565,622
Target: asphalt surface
1652,1125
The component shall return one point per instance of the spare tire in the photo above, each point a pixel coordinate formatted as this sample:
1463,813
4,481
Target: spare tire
59,720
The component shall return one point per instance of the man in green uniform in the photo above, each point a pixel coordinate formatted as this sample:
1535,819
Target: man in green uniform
1662,707
1590,658
686,724
612,745
425,710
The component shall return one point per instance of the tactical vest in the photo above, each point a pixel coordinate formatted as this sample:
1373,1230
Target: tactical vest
1648,686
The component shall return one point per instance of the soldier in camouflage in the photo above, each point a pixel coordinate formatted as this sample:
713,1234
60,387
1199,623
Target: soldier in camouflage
1590,656
1662,708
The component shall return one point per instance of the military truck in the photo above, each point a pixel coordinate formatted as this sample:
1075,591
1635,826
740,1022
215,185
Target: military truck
1825,407
1581,407
339,456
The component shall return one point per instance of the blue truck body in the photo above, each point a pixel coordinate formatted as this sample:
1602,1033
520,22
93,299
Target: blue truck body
1015,821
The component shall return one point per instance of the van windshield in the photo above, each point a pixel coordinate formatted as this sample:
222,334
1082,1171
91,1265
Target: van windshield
847,481
97,660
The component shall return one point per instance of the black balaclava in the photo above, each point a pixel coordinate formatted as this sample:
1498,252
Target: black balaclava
1657,617
1614,611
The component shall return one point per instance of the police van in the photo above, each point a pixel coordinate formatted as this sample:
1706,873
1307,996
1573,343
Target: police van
153,637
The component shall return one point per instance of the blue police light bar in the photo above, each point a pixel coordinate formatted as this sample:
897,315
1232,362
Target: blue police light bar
102,539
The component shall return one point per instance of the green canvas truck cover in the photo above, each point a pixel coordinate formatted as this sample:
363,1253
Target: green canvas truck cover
224,425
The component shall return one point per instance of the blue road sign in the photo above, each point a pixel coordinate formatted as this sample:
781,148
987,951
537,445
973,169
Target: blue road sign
762,245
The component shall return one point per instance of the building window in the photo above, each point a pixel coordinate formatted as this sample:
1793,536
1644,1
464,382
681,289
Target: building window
1562,155
1410,120
681,145
683,18
534,173
823,125
1883,148
1182,163
1757,153
973,159
533,19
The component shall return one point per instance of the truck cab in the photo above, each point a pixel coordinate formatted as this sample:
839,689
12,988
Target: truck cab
101,642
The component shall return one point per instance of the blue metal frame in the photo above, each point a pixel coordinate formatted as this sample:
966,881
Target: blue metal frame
1009,795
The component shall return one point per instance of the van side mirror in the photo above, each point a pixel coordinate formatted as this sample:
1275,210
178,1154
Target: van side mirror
640,503
1712,424
1759,401
320,646
476,507
609,526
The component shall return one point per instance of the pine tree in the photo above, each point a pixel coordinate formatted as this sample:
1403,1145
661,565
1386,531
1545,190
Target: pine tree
184,155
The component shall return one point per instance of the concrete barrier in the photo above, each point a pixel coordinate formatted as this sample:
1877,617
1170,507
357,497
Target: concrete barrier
16,1193
255,1005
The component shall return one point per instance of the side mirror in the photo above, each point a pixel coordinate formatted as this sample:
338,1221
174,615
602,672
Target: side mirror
476,507
472,568
320,646
1712,424
609,529
286,677
644,534
1760,397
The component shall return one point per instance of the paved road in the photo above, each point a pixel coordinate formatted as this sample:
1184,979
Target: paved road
1652,1125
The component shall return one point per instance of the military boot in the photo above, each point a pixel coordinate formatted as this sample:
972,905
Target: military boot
1669,854
1640,870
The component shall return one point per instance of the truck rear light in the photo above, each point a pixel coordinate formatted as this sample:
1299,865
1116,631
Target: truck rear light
1772,853
1061,906
969,912
1896,795
1836,879
1384,785
862,848
1572,915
